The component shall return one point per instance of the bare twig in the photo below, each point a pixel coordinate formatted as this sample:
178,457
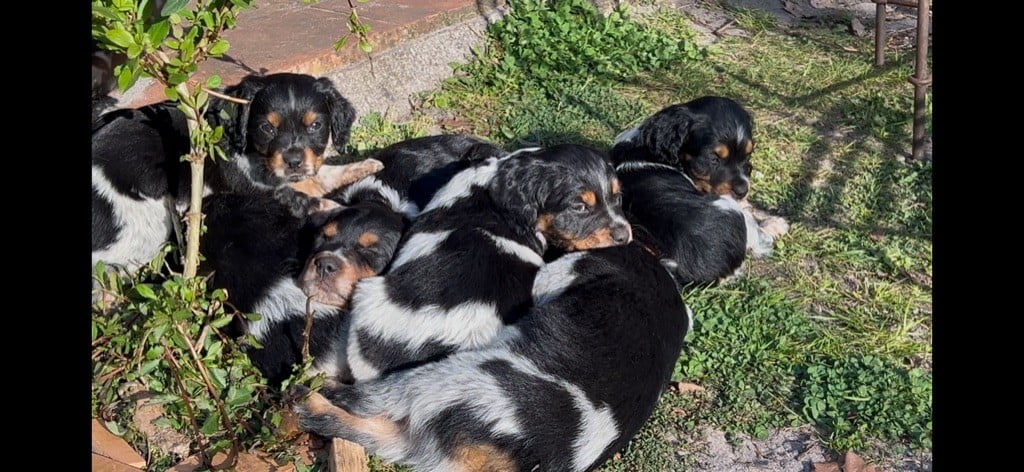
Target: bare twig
725,25
175,367
226,97
307,330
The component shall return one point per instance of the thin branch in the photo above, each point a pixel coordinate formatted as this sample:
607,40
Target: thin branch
226,97
175,367
307,330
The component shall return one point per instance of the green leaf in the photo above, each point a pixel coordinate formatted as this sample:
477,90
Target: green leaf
114,428
104,12
149,366
365,45
340,43
211,425
176,78
134,50
220,47
171,93
120,37
222,321
158,32
214,82
172,7
145,291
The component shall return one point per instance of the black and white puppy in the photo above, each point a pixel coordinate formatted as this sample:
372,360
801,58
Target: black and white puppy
465,267
274,144
415,169
564,388
683,170
279,266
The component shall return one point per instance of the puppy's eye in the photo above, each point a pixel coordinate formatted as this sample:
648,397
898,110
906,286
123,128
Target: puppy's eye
268,128
315,126
580,207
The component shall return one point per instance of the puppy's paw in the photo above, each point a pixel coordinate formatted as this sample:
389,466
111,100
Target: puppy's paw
331,177
773,226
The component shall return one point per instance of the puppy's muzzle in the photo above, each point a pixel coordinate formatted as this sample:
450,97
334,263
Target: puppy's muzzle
622,234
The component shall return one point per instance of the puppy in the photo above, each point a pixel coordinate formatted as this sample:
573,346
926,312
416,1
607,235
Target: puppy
415,169
466,265
280,266
274,145
564,388
683,170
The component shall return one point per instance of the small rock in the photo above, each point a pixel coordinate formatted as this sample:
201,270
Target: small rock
856,27
826,467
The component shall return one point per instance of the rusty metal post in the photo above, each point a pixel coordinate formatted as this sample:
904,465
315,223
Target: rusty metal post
921,80
879,32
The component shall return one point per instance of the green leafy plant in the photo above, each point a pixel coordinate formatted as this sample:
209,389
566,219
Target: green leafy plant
149,340
866,397
168,45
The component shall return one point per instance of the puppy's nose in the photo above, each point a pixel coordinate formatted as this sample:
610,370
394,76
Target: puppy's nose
326,266
293,157
740,189
622,234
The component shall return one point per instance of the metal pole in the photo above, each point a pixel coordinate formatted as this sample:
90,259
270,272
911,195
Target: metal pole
879,32
921,80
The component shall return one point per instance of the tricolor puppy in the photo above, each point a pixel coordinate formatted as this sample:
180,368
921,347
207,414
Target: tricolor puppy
564,388
279,266
415,169
683,171
275,145
465,267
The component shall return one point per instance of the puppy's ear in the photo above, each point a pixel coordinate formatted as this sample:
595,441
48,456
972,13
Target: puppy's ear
234,117
343,114
480,152
313,224
665,132
522,186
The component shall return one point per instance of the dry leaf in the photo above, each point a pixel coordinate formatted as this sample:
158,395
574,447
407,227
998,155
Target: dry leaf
826,467
115,448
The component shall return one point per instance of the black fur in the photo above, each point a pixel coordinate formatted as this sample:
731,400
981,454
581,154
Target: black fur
138,174
270,261
681,171
564,388
468,261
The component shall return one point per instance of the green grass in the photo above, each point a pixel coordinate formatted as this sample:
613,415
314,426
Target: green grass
842,309
832,330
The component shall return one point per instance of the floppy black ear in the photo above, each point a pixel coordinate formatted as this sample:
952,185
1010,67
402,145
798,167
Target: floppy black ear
665,132
234,117
343,114
521,187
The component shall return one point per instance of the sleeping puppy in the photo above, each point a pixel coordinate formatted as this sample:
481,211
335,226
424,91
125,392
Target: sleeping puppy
683,170
415,169
564,388
466,265
273,263
274,145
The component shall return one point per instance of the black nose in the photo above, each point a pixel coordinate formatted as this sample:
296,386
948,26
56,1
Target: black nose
326,265
293,157
740,189
621,234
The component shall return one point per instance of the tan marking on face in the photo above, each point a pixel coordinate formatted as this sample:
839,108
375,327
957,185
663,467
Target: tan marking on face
687,157
334,289
481,458
589,197
748,147
544,222
598,239
703,183
722,151
312,160
368,239
331,229
276,161
616,186
377,427
309,118
275,119
724,188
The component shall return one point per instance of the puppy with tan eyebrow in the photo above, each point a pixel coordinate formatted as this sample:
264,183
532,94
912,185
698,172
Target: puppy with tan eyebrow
467,263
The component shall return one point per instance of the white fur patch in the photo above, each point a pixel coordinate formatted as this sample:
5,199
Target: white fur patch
597,429
509,246
144,226
469,325
726,203
394,200
461,185
419,245
284,300
555,277
626,136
